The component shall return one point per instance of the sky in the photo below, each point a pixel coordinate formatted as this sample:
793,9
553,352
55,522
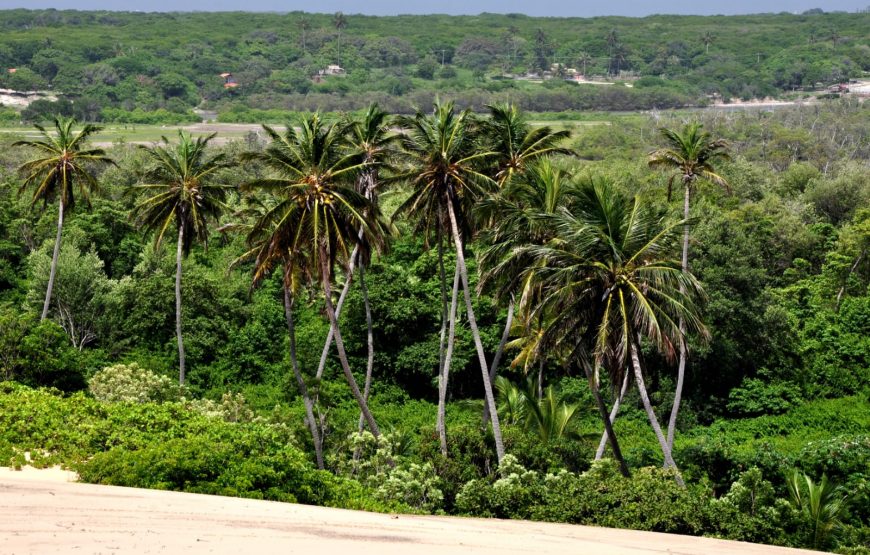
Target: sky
575,8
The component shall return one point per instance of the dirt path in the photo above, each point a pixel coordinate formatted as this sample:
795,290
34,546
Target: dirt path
42,512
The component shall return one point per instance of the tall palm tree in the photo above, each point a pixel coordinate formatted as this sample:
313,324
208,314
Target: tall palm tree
64,163
267,251
447,175
609,282
304,26
517,145
692,154
584,59
319,215
339,21
375,144
512,220
708,38
183,194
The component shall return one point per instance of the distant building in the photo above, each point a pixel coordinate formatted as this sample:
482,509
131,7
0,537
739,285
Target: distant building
331,69
12,69
229,81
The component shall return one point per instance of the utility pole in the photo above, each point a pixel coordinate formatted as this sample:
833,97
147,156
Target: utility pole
442,56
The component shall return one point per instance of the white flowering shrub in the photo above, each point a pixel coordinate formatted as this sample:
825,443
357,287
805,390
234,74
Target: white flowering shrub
132,384
378,464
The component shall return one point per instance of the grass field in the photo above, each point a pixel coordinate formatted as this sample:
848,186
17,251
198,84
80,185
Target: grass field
226,132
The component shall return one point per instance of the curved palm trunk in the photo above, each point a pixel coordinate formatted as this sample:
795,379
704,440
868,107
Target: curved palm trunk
496,359
178,254
370,341
54,257
472,322
324,354
300,382
599,453
608,428
651,415
681,368
342,355
444,376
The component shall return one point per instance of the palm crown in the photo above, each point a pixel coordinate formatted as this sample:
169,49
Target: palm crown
609,277
318,210
63,164
693,153
182,192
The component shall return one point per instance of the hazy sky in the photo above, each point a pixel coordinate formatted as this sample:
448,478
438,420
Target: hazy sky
392,7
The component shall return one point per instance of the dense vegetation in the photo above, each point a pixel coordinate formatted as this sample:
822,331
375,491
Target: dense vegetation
152,67
775,406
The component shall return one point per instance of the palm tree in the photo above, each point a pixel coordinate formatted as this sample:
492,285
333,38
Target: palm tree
822,506
513,220
339,21
304,26
267,252
584,59
610,284
692,154
63,164
182,194
446,176
373,142
516,143
708,38
319,215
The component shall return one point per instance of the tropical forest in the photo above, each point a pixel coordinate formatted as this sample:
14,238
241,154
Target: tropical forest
552,269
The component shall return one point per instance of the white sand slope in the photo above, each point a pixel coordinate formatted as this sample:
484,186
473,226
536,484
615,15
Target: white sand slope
42,512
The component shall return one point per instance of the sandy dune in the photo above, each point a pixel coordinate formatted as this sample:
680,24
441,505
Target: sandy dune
42,512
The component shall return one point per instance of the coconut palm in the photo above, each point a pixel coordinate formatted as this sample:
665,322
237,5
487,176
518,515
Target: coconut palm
375,144
182,194
339,21
517,146
692,155
609,282
267,253
513,220
64,163
516,143
319,215
446,176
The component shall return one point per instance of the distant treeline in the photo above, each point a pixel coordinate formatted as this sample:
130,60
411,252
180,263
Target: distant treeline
175,61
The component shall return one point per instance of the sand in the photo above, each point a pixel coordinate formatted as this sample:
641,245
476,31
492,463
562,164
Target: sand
41,511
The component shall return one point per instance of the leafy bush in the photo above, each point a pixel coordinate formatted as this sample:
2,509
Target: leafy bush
650,500
755,397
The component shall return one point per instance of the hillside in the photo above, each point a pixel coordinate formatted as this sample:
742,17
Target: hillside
112,63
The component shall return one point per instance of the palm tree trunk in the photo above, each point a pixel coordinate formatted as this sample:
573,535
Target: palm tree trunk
540,377
493,369
472,322
444,377
651,415
370,341
178,253
300,382
339,345
54,257
681,368
439,420
324,354
599,453
608,428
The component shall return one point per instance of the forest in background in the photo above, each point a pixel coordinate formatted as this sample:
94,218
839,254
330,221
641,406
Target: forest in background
782,383
156,67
